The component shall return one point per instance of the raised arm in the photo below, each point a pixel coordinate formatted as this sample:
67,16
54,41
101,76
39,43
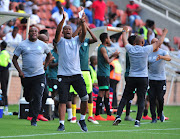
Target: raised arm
76,32
59,28
160,41
83,25
105,55
16,65
124,37
94,39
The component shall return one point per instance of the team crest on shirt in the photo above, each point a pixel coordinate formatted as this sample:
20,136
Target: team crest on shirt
60,79
28,48
42,84
85,44
73,42
164,87
39,48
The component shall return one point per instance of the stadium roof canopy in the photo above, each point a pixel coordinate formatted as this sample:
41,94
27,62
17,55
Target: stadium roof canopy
6,16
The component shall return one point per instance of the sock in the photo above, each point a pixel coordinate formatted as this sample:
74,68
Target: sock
82,117
98,101
69,111
145,112
74,110
107,106
90,109
61,122
6,108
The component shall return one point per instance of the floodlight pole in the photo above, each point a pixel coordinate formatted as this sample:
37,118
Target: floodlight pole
27,28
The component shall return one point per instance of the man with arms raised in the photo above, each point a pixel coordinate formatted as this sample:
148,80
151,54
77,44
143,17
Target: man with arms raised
69,71
138,75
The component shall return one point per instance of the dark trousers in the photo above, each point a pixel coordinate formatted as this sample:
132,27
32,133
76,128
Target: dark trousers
156,92
113,85
141,83
33,93
4,76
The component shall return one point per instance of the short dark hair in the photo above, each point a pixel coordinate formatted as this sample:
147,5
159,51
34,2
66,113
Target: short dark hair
43,31
113,15
131,39
151,23
103,36
3,44
92,58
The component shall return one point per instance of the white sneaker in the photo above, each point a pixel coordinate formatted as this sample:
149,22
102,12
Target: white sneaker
91,119
73,120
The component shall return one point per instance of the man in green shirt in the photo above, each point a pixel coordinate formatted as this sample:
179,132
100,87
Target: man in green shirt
103,73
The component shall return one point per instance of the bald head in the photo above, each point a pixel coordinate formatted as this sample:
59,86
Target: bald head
154,40
43,38
139,40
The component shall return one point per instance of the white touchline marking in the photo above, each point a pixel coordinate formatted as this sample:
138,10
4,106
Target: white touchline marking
91,132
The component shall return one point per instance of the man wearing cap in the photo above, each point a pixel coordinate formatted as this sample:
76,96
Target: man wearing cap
88,11
166,46
132,11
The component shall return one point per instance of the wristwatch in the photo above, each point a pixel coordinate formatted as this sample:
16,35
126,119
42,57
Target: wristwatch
123,31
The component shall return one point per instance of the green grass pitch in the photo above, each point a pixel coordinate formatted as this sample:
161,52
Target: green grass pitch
12,127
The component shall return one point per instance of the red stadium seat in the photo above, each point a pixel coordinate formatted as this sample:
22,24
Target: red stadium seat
123,18
139,23
176,39
119,12
159,31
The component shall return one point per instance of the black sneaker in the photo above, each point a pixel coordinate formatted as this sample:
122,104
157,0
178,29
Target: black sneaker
162,118
137,123
117,120
33,124
82,125
68,120
154,121
61,127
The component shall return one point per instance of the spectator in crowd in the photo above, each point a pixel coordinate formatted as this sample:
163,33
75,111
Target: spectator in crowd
44,31
5,63
143,31
68,10
58,16
34,17
32,74
73,24
115,21
152,33
4,5
28,6
166,46
21,10
88,11
11,7
99,8
132,11
13,36
56,9
8,27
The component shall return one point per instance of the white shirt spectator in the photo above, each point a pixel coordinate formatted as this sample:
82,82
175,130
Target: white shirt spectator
35,18
28,7
4,5
58,17
9,38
